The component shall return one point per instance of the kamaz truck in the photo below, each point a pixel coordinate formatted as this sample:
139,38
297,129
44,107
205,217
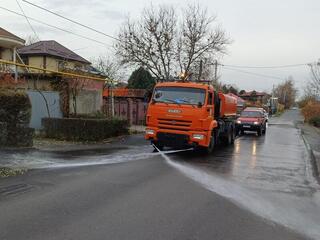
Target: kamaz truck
190,114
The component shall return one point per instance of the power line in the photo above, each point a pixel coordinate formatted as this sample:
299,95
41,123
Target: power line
34,31
71,20
52,26
252,73
280,66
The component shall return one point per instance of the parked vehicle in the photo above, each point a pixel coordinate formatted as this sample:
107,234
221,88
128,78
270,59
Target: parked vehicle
252,119
182,114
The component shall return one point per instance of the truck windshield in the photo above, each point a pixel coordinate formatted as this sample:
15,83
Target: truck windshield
180,95
253,114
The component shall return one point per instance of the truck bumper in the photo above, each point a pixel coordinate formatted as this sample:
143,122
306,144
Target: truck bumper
247,127
174,138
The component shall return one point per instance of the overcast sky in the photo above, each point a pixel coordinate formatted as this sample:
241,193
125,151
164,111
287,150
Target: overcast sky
264,33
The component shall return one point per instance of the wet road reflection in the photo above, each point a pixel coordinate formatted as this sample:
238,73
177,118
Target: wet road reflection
274,162
269,175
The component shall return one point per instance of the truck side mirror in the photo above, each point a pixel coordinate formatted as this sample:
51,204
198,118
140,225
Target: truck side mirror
148,96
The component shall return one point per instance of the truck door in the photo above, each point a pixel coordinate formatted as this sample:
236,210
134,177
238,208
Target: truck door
216,105
210,104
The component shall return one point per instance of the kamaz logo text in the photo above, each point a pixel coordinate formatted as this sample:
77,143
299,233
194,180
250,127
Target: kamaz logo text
174,111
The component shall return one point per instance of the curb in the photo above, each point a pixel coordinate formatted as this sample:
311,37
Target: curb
315,163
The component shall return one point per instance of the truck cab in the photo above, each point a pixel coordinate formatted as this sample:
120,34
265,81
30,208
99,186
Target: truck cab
182,114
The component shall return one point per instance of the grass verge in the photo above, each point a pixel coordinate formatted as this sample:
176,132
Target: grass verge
10,172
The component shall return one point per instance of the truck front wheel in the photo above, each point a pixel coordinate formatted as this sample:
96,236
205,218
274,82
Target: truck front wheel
210,147
157,146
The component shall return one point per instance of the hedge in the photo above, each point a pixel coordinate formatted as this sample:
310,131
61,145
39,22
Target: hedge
15,112
15,107
76,129
3,133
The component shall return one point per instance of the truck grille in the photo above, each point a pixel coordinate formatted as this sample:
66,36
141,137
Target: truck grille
174,124
172,140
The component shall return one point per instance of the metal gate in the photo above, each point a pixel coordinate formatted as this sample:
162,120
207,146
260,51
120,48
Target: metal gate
39,109
133,110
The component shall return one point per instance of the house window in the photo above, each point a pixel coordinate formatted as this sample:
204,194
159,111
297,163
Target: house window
25,60
61,65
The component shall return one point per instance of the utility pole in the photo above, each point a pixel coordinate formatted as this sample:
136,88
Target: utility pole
112,100
215,70
15,66
200,71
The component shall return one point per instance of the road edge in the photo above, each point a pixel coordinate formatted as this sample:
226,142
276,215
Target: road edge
315,163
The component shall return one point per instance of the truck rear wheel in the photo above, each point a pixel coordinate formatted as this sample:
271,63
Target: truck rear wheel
227,139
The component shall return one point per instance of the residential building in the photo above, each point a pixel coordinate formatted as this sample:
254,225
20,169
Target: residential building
54,57
8,47
255,97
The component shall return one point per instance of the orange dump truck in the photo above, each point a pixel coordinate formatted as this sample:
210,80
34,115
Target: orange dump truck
183,114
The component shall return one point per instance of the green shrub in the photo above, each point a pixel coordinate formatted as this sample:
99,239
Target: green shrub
15,112
3,133
315,121
96,115
77,129
15,107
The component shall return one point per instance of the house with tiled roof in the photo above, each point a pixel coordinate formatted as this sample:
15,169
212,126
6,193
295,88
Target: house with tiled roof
255,97
54,57
8,46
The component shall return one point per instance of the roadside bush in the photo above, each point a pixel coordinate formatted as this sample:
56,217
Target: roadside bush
3,133
311,111
302,103
96,115
15,107
15,112
77,129
315,121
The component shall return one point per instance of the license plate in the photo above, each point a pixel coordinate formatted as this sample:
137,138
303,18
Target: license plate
246,126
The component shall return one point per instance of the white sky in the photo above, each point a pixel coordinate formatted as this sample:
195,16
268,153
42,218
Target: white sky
264,33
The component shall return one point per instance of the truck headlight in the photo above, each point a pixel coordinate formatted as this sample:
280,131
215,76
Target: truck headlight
198,136
149,131
238,122
255,123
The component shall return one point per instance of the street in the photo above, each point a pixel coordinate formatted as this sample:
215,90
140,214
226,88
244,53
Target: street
259,188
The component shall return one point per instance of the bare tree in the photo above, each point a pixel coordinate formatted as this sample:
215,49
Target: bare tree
286,92
75,86
109,66
31,39
165,44
314,84
197,40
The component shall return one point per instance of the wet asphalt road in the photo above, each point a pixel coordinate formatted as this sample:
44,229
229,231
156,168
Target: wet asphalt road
260,188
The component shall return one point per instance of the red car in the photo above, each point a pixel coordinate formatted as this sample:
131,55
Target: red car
251,120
